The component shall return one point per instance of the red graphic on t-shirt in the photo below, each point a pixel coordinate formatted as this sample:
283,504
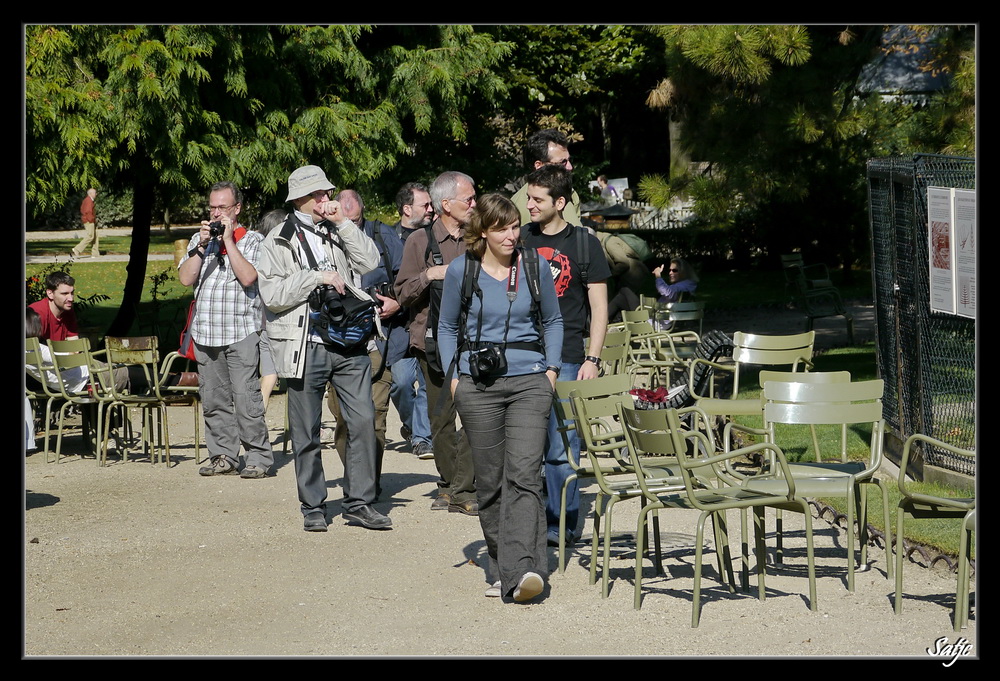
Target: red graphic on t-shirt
559,265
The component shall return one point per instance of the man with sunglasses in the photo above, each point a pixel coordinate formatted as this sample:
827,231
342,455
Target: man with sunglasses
547,148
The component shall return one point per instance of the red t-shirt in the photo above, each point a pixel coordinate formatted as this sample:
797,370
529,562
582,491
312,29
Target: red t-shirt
54,328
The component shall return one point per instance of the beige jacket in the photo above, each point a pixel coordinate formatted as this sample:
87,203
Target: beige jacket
285,284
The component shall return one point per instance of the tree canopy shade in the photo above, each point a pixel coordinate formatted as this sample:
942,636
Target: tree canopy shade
782,131
161,108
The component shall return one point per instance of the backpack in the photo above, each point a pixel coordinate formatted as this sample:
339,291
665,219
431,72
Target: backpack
470,286
434,291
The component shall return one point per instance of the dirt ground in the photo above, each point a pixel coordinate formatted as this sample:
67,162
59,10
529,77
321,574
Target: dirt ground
143,559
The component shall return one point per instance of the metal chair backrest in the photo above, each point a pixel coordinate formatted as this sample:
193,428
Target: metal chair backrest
72,354
139,351
614,352
844,404
604,386
789,350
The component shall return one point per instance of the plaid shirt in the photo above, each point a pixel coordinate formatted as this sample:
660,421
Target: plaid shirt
226,311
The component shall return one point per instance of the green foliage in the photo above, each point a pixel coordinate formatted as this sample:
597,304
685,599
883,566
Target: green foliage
782,130
250,103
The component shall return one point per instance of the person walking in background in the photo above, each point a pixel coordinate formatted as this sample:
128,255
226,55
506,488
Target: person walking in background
89,220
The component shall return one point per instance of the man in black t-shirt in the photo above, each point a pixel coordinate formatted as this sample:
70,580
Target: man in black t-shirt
580,272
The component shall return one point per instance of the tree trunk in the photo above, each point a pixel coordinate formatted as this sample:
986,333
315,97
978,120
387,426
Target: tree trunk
142,218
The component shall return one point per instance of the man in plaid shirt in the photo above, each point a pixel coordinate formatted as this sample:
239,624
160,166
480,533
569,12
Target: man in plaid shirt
226,332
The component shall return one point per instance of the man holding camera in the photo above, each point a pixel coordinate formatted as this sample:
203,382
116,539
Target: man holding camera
221,265
317,247
378,284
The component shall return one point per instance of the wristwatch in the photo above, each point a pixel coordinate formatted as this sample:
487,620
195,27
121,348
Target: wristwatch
553,368
595,360
194,251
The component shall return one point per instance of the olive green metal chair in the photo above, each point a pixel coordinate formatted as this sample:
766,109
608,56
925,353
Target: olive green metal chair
614,353
658,433
595,418
142,353
857,404
604,386
913,504
656,353
189,392
34,358
73,354
749,349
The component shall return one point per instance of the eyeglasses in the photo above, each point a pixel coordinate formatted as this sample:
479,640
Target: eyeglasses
318,193
222,209
421,206
674,269
469,201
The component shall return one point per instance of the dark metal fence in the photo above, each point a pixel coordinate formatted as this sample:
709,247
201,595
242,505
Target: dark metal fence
928,359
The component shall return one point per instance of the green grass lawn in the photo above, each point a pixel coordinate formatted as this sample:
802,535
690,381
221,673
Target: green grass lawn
159,243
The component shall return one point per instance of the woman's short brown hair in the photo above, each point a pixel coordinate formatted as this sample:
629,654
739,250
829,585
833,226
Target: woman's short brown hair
491,211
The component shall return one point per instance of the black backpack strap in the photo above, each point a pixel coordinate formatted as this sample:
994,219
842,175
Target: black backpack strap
470,287
432,246
583,253
529,256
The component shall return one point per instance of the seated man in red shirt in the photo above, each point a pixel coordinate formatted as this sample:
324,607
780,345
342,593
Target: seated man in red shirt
58,322
56,308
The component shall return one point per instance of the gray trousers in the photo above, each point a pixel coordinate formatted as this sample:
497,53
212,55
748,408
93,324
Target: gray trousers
506,424
350,373
452,454
229,386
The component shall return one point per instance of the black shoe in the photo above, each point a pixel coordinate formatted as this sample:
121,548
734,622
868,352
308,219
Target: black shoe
314,522
368,517
469,507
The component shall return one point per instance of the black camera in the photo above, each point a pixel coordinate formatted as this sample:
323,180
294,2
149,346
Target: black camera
215,229
487,361
322,295
383,289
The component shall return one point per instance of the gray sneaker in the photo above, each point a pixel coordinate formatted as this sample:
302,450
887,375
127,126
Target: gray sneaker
493,590
220,465
253,473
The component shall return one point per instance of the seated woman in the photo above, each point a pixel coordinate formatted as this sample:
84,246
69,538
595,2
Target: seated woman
504,394
683,280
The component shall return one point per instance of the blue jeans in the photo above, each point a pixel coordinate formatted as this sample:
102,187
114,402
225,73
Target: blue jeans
557,468
411,403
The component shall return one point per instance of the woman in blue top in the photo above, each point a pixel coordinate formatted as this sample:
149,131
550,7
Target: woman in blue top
505,409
